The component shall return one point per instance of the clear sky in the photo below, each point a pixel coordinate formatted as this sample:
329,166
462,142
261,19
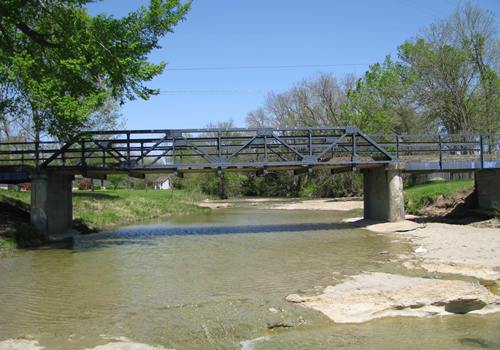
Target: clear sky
236,33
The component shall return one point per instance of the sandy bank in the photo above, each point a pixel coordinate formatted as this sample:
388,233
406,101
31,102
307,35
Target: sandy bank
457,249
375,295
340,204
321,204
384,227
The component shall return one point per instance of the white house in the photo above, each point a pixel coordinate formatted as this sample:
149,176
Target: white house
162,183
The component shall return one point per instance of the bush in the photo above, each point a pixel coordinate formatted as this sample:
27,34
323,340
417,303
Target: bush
85,185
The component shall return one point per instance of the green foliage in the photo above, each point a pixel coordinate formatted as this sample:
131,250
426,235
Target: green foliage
380,101
7,243
62,63
496,208
419,196
104,209
116,180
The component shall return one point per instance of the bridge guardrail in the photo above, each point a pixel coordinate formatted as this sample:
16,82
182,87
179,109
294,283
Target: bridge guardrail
246,149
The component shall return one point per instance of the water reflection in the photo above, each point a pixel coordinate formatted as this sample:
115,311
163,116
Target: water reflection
209,282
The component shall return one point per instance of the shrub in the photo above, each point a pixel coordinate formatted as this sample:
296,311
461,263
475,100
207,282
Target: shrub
85,185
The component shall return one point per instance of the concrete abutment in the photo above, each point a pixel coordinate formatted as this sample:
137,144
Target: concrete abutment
51,205
487,188
383,194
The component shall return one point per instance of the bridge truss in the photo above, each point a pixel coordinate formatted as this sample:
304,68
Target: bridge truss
138,152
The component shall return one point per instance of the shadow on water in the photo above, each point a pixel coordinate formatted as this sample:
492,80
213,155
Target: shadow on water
144,235
94,195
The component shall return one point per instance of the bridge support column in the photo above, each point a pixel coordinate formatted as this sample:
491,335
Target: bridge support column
487,184
51,205
383,194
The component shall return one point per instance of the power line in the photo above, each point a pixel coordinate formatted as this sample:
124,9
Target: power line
266,67
210,92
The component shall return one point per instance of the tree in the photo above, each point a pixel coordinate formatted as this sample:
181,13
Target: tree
456,62
62,63
116,180
381,101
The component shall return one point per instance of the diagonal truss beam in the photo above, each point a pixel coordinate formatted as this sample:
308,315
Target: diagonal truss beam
108,150
242,148
332,145
374,144
152,148
204,155
59,152
284,143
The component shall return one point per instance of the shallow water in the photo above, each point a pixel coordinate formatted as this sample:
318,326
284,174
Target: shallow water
208,282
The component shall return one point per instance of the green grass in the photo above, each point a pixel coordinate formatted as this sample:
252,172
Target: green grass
419,196
7,243
104,209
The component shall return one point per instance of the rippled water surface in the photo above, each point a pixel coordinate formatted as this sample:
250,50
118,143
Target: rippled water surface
208,282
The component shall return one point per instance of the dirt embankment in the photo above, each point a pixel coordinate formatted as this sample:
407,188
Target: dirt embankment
12,214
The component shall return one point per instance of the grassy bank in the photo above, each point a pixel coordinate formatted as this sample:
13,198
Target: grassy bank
420,196
104,209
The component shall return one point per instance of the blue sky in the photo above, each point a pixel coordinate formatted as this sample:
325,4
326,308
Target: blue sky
229,33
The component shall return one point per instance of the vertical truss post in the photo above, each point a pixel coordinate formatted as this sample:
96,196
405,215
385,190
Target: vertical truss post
354,154
310,143
142,154
219,149
481,150
37,155
173,150
440,152
82,155
128,149
266,156
397,147
103,158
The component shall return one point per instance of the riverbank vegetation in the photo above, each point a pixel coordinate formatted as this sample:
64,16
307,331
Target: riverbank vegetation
98,210
418,197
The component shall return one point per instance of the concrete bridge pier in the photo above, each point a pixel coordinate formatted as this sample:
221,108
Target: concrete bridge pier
52,205
487,188
383,194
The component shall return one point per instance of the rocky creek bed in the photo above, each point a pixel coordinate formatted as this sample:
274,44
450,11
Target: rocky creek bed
456,250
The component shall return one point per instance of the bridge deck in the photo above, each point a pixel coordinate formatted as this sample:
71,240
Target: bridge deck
139,152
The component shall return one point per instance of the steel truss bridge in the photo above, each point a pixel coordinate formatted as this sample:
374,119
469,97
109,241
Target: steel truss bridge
139,152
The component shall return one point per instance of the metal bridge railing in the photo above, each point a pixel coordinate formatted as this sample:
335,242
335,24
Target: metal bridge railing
205,149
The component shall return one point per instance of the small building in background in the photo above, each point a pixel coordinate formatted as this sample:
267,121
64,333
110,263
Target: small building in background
162,183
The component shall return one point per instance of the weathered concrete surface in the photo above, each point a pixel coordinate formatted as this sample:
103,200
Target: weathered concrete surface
383,194
51,205
487,183
375,295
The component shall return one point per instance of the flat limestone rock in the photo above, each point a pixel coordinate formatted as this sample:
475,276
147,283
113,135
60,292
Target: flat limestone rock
126,345
20,344
374,295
